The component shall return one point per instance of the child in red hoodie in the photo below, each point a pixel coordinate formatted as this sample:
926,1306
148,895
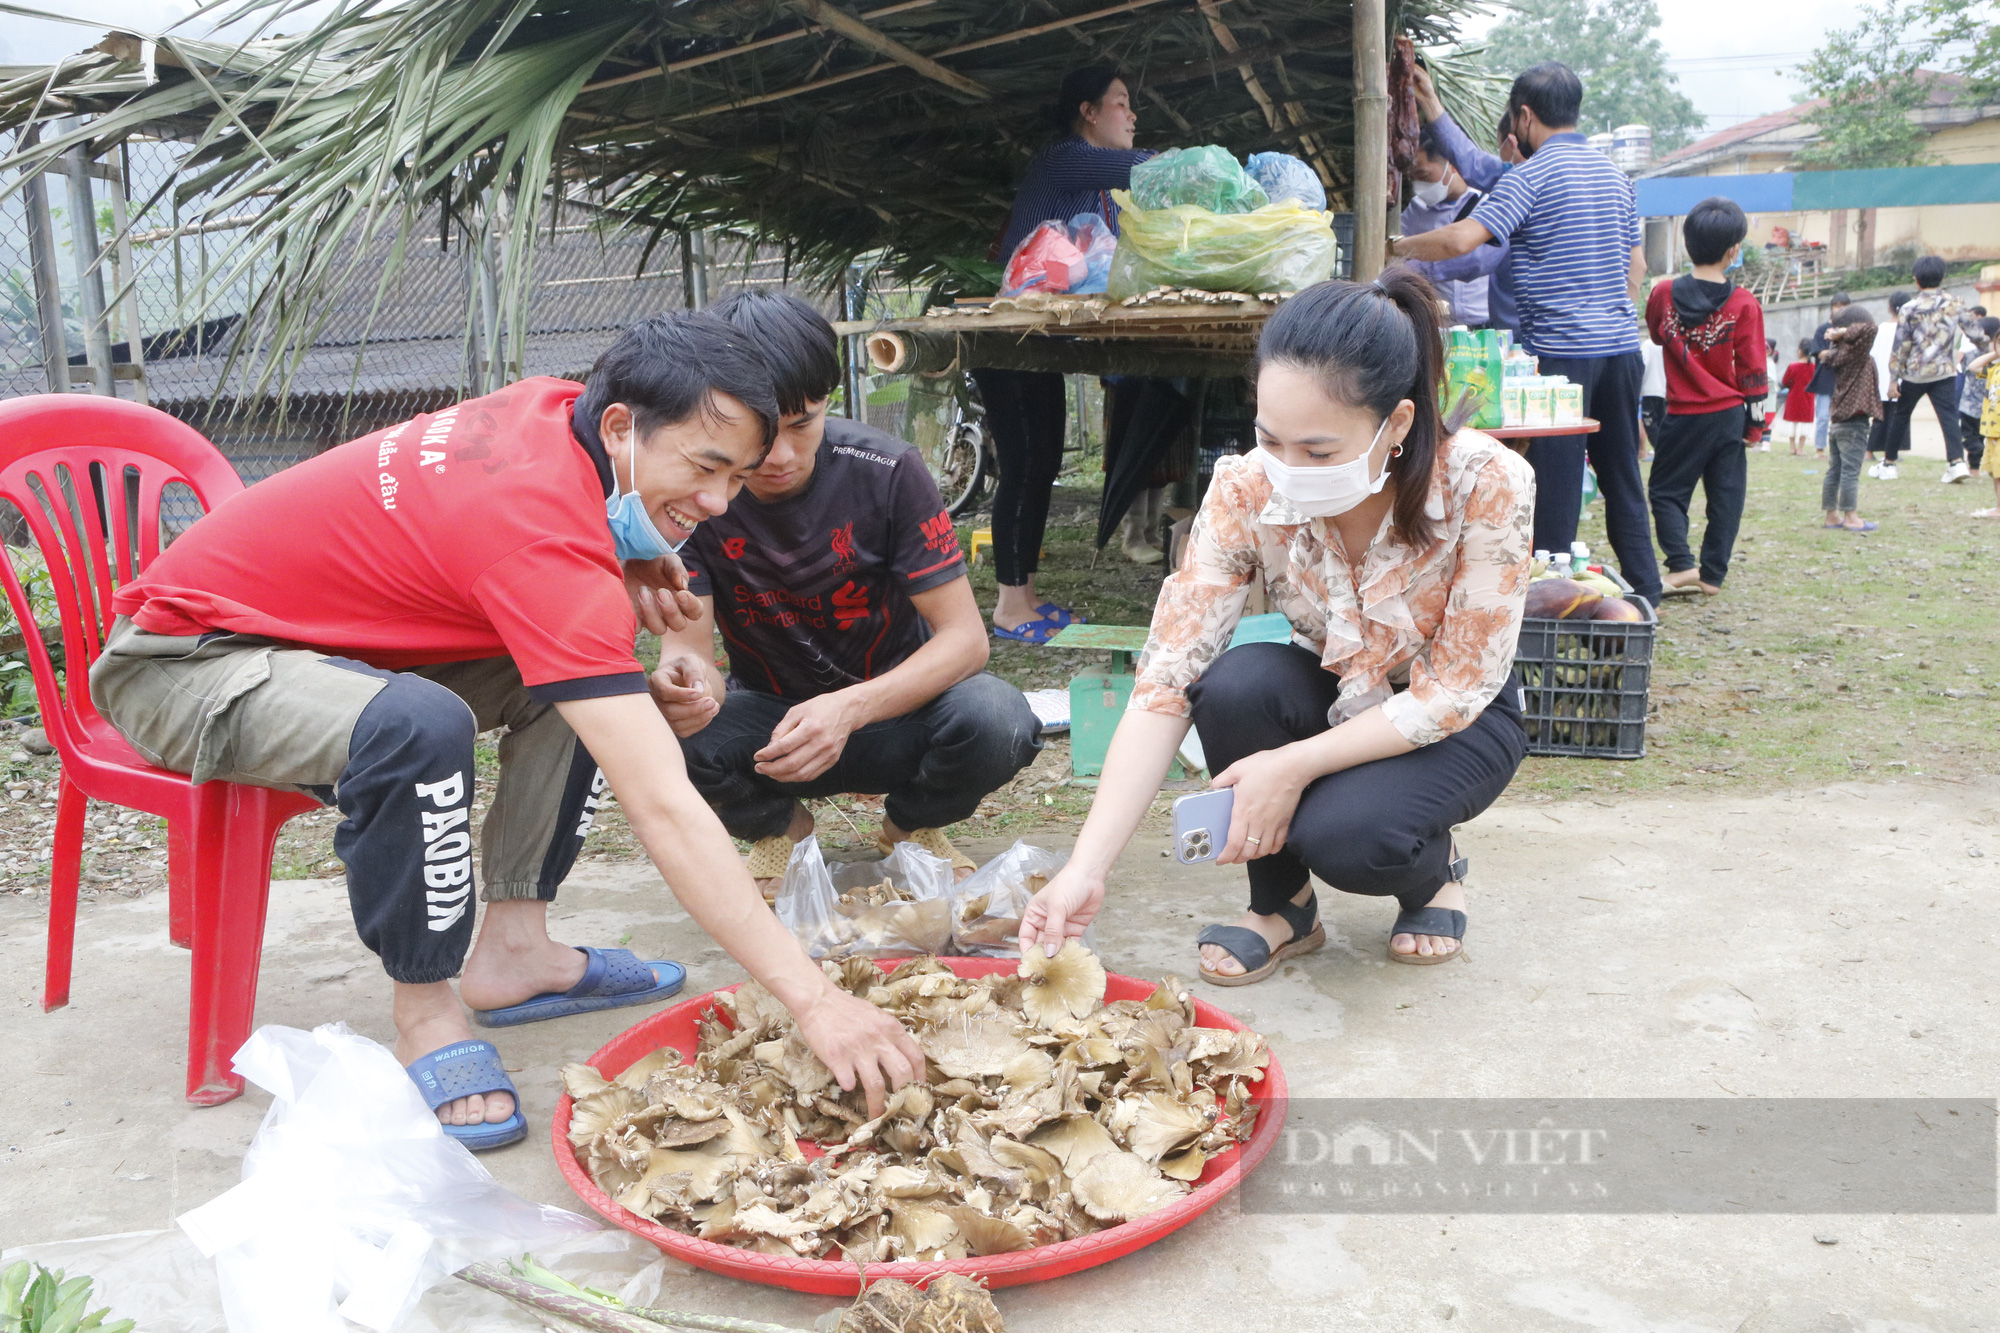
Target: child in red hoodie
1712,335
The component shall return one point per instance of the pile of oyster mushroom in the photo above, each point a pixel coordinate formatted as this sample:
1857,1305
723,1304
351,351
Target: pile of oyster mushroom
1046,1114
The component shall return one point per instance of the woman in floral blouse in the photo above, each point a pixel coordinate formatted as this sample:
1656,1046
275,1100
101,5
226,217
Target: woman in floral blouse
1399,550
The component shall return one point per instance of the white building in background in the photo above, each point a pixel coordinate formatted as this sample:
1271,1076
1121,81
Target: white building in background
1957,133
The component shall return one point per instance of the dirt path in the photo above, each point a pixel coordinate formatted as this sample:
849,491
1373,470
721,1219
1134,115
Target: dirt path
1829,941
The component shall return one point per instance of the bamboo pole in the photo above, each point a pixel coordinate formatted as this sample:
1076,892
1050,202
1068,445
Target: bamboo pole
854,30
1371,139
48,276
603,1318
741,48
919,353
1018,34
89,277
125,272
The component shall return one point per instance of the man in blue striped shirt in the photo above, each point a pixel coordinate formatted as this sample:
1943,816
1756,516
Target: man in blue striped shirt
1573,222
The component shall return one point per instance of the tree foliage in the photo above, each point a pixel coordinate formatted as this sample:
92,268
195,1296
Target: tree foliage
1614,48
1971,30
1871,77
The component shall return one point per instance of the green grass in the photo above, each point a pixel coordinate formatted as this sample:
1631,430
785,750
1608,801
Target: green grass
1828,655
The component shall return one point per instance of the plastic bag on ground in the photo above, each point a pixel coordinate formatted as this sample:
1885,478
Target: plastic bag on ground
843,911
1206,177
161,1280
1092,235
1045,260
354,1201
986,906
1286,177
1279,248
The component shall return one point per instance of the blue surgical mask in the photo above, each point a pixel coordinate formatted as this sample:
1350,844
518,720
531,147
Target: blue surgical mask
1735,263
633,531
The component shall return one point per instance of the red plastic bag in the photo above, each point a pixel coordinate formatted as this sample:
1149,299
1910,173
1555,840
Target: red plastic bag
1045,260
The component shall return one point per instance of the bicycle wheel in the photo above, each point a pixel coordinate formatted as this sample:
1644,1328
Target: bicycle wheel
959,465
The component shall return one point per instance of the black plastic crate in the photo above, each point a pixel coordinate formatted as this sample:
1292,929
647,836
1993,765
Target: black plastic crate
1584,685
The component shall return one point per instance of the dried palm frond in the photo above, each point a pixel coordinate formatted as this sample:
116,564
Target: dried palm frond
467,119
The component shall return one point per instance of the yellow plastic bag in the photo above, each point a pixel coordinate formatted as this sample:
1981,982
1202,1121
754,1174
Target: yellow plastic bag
1282,247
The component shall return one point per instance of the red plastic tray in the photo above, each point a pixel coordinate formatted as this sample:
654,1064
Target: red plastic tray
676,1027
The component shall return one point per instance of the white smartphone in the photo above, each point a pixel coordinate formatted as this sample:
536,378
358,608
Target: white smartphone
1201,824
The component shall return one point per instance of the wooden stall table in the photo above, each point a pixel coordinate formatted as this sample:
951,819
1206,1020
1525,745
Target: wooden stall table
1180,333
1517,437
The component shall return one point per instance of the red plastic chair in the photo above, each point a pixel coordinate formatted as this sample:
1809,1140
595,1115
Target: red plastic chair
71,463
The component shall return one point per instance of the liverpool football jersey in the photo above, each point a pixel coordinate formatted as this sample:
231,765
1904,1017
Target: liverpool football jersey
812,592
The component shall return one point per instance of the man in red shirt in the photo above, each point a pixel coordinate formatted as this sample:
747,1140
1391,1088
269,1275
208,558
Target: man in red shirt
1712,335
855,645
348,627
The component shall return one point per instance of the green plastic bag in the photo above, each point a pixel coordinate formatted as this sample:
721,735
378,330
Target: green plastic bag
1283,247
1474,365
1208,177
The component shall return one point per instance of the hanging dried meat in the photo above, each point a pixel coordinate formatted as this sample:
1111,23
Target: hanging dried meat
1404,127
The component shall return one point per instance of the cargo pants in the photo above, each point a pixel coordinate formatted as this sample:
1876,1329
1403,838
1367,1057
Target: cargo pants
392,749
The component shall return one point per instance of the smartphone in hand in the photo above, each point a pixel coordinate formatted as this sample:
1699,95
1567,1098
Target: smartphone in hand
1201,825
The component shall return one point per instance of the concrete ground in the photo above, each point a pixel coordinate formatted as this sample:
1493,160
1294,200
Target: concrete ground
1835,942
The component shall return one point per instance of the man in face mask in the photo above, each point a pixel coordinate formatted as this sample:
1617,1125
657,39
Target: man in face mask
1439,197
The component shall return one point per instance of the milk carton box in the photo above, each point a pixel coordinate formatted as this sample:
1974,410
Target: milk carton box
1538,405
1568,405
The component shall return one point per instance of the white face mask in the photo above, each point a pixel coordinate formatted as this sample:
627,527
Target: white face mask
1326,492
1431,193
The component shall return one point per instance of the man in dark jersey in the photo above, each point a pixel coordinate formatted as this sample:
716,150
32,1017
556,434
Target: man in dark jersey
856,650
349,625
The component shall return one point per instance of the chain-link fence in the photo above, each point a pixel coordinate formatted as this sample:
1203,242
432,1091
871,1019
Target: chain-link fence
379,356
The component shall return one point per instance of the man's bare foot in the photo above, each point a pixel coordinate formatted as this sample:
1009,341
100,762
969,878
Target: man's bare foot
514,959
798,831
893,835
1689,578
1452,895
1276,931
429,1018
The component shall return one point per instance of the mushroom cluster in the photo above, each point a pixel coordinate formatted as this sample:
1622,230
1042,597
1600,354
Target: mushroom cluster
1045,1114
991,921
885,917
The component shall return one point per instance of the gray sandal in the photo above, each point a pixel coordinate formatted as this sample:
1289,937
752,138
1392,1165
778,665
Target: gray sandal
1252,950
1447,922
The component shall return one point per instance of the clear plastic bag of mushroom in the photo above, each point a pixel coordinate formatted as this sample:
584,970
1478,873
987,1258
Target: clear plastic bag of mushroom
890,908
1046,1114
986,906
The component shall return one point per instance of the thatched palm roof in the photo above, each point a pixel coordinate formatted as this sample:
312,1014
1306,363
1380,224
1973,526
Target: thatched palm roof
834,129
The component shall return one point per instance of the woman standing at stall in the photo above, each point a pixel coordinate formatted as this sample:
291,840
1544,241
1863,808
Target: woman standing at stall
1024,408
1399,549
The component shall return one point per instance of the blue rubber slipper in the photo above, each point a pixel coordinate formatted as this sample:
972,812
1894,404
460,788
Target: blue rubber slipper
461,1070
1060,615
612,979
1029,631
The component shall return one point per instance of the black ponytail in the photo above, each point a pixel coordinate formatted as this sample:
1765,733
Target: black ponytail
1371,345
1088,84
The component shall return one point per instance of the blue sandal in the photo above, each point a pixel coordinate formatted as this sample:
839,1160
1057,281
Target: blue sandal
1029,631
460,1070
1252,950
612,979
1050,611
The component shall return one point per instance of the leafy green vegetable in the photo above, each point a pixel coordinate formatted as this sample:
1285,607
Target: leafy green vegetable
35,1300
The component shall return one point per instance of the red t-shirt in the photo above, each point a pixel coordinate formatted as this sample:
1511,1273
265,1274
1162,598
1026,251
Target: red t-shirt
1711,336
473,532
